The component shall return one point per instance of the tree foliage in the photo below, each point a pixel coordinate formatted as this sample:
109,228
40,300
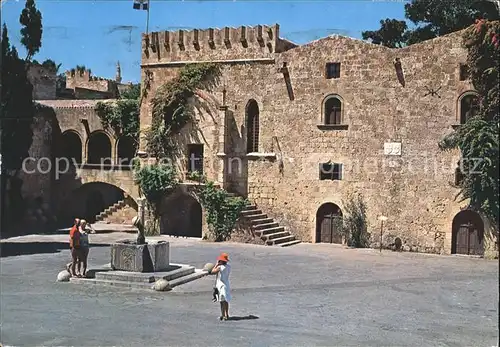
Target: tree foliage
17,108
478,138
133,93
354,225
431,18
222,209
31,31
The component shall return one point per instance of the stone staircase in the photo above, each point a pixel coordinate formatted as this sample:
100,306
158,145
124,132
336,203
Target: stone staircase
118,213
178,275
267,228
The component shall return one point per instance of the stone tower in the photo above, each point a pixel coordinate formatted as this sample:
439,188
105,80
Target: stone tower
118,77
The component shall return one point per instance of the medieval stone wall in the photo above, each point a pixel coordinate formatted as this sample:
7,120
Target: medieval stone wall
43,81
379,106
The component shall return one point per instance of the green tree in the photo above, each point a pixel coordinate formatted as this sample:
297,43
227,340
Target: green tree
391,33
432,18
133,93
17,108
31,31
478,138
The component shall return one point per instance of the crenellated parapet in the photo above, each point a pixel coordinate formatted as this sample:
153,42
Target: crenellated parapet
84,79
243,43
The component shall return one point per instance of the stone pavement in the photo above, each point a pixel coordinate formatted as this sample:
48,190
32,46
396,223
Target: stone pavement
306,295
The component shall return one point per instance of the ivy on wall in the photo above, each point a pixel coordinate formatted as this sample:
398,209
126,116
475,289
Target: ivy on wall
222,209
122,117
170,106
478,138
155,181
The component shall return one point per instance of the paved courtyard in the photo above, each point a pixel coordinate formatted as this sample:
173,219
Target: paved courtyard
305,295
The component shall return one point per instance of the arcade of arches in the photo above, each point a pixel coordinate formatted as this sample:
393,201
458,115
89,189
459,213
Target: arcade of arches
327,218
99,149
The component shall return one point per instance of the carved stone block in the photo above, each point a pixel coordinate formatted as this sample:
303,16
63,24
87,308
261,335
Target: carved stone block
129,256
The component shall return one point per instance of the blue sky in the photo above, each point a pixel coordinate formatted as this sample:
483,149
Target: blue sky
99,33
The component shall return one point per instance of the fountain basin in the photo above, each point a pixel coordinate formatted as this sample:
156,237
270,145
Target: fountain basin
127,255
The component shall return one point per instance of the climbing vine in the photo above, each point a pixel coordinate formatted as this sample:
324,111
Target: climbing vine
478,138
122,117
170,106
155,181
222,209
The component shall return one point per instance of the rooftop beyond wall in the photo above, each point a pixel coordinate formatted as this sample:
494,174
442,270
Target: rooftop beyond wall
239,44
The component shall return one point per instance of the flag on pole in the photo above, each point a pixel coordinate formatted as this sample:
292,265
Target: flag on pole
141,4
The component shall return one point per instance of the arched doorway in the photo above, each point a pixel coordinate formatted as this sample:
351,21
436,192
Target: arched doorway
88,201
99,149
72,147
125,150
181,216
467,236
328,218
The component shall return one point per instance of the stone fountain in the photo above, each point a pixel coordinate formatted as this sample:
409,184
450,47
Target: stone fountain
139,264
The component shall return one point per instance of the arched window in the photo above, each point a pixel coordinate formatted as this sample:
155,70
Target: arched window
72,147
99,149
125,150
332,111
252,116
469,107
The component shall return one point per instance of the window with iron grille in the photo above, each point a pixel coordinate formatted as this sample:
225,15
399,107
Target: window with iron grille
195,158
252,115
464,72
330,171
333,111
332,70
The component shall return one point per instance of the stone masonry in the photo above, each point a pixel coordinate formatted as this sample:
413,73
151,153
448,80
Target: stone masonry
382,106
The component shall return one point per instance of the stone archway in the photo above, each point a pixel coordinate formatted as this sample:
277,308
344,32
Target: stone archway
99,148
467,236
125,150
71,144
181,215
89,200
327,230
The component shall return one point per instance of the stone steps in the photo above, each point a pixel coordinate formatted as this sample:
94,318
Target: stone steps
180,274
110,210
291,243
267,228
279,240
188,278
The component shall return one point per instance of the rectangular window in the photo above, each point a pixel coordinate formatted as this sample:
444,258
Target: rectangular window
464,72
330,171
332,70
195,158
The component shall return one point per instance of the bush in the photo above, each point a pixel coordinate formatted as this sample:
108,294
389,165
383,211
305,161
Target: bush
354,225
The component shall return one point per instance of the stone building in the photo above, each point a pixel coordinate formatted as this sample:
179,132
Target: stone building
76,167
299,129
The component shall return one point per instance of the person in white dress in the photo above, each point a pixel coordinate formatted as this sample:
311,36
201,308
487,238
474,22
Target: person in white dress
223,269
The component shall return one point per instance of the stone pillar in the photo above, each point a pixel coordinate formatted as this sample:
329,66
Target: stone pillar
223,146
141,210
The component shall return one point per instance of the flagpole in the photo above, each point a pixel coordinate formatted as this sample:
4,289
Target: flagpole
147,20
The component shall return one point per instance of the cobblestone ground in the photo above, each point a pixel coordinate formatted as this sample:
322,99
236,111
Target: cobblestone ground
305,295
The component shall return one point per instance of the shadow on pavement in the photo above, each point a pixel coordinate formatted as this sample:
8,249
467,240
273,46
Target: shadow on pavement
10,249
250,316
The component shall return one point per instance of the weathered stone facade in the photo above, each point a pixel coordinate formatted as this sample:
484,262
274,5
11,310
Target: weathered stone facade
381,104
43,80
